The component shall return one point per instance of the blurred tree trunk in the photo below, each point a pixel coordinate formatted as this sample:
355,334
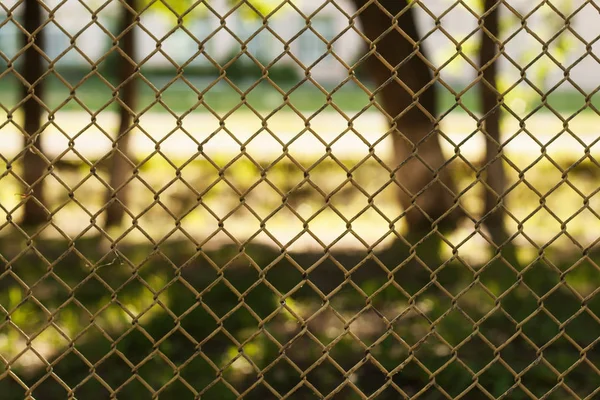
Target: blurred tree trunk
121,170
495,177
34,165
415,130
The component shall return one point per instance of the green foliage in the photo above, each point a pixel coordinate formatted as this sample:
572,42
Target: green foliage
520,97
180,10
547,26
185,10
259,8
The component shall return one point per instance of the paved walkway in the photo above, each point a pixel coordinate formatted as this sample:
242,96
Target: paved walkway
90,140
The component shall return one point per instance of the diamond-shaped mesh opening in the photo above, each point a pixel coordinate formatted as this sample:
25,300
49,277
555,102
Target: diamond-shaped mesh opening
541,336
455,379
284,275
573,384
92,385
50,385
325,377
156,370
583,337
219,386
135,387
538,371
261,299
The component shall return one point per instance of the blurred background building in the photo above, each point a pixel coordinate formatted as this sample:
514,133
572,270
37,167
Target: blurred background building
75,22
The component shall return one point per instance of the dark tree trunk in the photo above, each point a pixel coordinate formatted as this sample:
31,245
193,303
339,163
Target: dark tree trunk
495,176
34,165
416,144
122,165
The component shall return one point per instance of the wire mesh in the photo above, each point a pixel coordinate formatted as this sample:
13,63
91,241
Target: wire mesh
333,199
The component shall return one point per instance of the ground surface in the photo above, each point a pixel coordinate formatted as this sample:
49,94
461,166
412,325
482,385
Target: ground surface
214,307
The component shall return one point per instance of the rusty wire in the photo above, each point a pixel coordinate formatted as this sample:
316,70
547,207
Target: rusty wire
176,302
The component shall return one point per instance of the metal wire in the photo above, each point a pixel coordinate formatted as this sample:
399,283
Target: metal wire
274,180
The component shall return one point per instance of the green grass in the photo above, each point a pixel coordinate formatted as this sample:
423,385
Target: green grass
160,94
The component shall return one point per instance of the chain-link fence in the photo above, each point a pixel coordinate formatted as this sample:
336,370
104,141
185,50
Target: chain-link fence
299,199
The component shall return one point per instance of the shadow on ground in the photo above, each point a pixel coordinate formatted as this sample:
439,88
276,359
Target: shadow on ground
173,321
